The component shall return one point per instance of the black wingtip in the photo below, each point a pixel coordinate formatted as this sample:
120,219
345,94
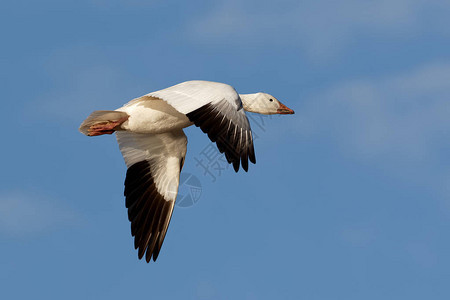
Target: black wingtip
234,141
252,157
236,165
148,211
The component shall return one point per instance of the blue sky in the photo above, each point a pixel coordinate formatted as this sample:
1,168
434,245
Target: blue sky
349,198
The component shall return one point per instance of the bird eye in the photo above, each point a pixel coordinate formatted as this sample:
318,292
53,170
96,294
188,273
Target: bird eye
271,100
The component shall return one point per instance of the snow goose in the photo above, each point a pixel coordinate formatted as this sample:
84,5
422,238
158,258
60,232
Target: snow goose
149,130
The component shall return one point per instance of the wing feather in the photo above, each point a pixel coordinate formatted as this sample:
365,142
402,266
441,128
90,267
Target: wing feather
151,185
217,109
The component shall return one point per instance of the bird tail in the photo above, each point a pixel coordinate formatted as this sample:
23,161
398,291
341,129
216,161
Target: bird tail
103,122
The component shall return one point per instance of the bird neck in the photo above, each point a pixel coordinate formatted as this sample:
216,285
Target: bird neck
248,101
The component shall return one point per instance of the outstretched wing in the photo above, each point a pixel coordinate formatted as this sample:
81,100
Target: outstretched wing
154,162
217,109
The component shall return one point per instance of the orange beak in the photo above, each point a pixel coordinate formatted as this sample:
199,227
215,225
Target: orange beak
284,110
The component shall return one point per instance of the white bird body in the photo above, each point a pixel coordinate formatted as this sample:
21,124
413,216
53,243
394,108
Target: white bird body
151,115
153,144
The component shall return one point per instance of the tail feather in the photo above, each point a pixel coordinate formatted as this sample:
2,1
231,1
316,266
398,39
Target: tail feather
102,122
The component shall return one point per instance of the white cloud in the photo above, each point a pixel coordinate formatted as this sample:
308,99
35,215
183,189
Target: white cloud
405,114
88,86
320,28
23,215
400,123
82,81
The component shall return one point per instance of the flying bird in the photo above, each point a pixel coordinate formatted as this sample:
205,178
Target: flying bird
149,130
